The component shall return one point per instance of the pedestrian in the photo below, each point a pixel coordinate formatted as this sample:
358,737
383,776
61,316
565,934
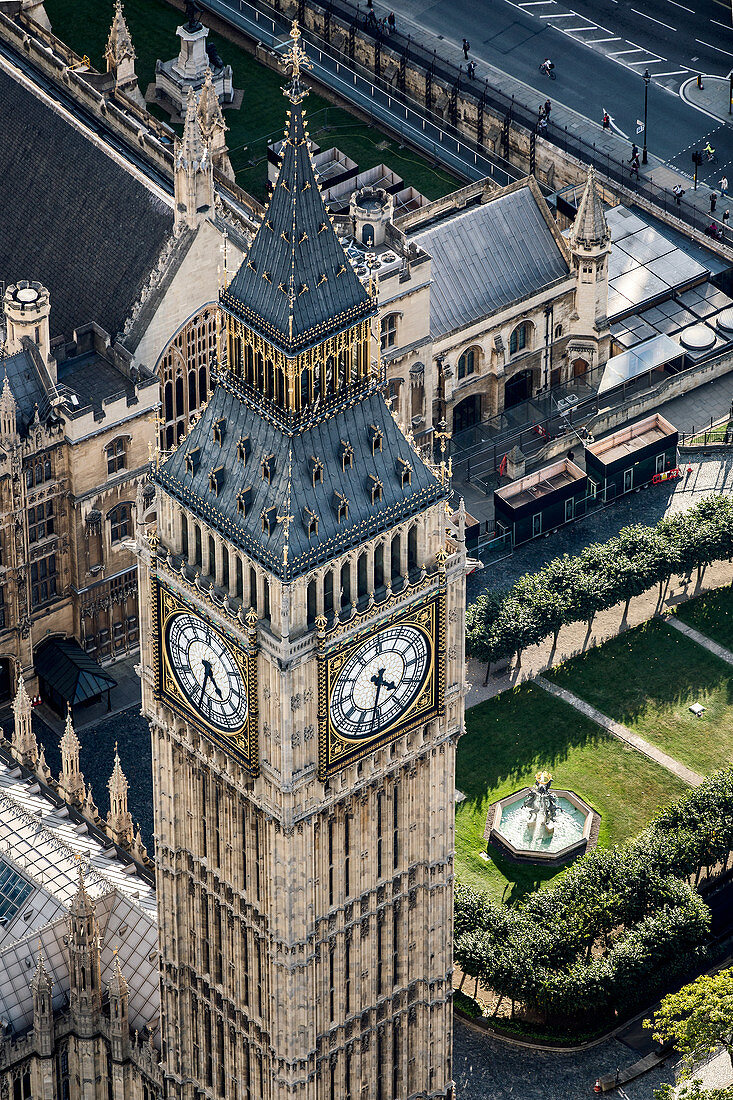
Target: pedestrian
606,121
726,216
678,192
542,125
466,48
724,186
635,167
548,108
391,21
713,201
471,70
634,150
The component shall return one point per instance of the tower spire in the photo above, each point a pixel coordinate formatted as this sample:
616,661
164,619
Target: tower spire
120,56
85,985
119,819
25,746
590,227
8,414
119,1000
42,988
213,126
193,172
295,287
71,779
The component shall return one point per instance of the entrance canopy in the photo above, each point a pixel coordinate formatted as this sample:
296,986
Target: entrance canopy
71,674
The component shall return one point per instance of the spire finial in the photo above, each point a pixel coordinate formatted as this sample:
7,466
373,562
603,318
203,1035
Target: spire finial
287,519
295,59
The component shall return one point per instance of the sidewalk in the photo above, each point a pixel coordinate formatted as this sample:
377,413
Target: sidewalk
714,97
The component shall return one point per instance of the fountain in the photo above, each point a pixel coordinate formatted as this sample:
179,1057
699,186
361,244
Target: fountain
537,825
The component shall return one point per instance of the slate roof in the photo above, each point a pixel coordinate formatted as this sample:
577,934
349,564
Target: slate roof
291,489
295,285
73,218
487,258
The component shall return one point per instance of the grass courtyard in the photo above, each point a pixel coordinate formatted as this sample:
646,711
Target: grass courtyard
711,614
647,679
84,25
510,738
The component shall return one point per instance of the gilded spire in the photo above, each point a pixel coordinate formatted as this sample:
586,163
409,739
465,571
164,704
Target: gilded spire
295,59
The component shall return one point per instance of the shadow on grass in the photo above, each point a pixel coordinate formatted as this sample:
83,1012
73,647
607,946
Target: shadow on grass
711,614
511,734
652,666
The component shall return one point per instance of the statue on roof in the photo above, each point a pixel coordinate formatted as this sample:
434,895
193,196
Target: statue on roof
192,14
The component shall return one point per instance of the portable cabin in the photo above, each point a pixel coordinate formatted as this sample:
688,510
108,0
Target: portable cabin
541,501
630,457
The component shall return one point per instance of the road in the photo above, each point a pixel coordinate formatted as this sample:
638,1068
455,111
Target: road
601,49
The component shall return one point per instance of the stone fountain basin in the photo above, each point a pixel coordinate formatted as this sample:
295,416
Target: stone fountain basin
513,850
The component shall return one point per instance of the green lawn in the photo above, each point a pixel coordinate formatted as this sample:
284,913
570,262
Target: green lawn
711,614
84,25
513,736
647,678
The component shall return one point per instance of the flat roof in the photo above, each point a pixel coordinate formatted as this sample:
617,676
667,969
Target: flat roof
648,355
632,438
540,483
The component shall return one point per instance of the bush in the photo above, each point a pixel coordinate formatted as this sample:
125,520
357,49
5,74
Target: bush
467,1005
616,928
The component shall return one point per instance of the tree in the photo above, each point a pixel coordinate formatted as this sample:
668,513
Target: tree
697,1019
692,1091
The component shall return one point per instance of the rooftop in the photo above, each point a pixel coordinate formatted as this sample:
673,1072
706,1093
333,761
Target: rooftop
488,257
632,438
539,484
63,196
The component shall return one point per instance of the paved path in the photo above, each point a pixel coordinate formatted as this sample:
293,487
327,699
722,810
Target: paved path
714,97
623,733
701,639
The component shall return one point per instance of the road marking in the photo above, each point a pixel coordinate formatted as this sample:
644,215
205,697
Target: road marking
681,6
713,47
591,41
562,15
536,3
653,20
677,72
574,30
657,61
620,53
723,25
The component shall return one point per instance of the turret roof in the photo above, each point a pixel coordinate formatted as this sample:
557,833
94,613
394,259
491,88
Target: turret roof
119,43
590,227
295,285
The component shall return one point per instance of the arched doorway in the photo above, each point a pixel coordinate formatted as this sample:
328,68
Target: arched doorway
518,388
467,413
580,366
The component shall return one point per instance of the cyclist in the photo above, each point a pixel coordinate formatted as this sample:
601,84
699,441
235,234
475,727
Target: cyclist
547,66
709,151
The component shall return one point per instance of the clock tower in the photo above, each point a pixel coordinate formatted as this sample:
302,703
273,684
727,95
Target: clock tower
303,674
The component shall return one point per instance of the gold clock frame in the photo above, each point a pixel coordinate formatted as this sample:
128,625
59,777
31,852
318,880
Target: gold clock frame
244,742
336,752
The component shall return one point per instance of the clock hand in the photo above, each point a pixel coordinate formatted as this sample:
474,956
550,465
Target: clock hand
207,675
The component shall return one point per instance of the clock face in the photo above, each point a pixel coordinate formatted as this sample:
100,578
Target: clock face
380,682
206,672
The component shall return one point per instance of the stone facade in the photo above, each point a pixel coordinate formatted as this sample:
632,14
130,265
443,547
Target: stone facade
305,915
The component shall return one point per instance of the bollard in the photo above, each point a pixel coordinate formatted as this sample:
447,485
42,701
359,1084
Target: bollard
699,81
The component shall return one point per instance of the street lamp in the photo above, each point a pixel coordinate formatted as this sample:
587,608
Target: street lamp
647,80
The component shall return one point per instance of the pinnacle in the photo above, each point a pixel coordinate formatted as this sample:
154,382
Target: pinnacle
590,227
69,740
118,780
193,151
119,43
209,110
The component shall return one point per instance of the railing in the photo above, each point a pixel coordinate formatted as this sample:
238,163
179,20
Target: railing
716,435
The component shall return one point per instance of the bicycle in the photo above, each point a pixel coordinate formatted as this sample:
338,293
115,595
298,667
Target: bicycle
710,158
548,72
